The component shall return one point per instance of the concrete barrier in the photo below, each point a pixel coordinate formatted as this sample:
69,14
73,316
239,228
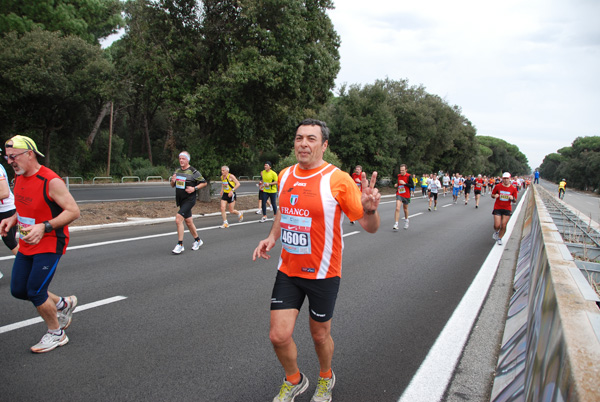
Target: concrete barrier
551,344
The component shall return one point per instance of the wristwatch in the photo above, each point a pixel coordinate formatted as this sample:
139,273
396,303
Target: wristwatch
48,227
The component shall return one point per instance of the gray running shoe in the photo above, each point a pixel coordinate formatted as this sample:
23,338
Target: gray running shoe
65,316
197,244
49,342
406,224
288,392
495,236
324,388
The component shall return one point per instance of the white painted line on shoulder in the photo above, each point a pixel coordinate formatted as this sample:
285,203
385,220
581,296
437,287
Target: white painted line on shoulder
351,233
31,321
447,349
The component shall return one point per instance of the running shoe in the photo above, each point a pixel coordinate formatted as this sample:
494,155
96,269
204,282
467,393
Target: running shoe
499,241
240,217
476,206
178,249
263,219
429,209
197,244
49,342
406,224
395,226
324,388
435,208
259,211
1,275
65,316
495,236
269,208
288,391
225,225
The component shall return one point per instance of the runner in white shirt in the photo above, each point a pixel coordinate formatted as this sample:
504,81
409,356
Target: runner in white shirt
434,188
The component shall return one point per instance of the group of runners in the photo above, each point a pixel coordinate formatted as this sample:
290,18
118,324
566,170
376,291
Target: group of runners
314,195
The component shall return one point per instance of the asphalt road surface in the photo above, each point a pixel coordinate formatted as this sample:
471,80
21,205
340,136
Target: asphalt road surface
141,191
585,202
194,327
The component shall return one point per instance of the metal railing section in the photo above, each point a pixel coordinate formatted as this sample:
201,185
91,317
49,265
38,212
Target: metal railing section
551,344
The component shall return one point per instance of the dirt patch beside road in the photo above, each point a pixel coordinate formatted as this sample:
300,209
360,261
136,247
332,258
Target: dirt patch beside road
110,212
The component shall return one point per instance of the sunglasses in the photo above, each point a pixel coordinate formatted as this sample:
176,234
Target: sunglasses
11,158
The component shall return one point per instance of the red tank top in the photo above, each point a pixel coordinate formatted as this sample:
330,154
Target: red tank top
34,206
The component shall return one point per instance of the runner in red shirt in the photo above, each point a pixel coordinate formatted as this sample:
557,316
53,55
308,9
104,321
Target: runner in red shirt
356,176
504,194
404,185
479,187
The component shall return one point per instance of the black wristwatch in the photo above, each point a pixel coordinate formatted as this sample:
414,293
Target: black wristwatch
48,227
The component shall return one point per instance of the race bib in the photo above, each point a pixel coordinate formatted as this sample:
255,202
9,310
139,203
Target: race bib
295,234
180,182
504,196
401,189
24,225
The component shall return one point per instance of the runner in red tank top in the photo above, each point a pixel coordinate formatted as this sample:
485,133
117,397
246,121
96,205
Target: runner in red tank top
44,209
313,196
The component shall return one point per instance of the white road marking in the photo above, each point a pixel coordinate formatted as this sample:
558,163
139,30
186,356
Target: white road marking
31,321
351,233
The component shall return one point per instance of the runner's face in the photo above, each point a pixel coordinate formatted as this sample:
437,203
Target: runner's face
267,167
18,159
183,162
402,170
308,146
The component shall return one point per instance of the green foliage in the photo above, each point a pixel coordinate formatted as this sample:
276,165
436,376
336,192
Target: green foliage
88,19
578,164
143,168
505,157
50,85
328,156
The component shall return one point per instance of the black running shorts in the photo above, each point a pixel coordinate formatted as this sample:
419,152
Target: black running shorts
289,293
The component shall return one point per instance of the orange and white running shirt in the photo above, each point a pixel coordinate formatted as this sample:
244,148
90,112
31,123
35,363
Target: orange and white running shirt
312,204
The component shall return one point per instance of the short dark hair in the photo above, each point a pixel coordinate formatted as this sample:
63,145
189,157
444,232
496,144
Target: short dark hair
315,122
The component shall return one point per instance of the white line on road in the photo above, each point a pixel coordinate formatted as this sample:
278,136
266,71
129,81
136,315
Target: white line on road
351,233
447,349
31,321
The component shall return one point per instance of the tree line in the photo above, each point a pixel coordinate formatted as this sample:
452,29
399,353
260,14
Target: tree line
577,164
226,80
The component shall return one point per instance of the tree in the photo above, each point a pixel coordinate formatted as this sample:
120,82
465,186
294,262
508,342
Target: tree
50,84
267,63
88,19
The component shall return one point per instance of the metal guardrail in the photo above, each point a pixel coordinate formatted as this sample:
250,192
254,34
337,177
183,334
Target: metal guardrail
102,178
155,177
244,178
67,179
256,177
551,342
129,177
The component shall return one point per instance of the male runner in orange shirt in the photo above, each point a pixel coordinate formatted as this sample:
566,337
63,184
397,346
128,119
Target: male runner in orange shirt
313,196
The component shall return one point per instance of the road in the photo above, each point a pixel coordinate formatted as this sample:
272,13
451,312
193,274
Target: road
194,327
585,202
141,191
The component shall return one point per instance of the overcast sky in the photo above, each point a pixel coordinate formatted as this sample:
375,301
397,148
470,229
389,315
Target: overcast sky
523,71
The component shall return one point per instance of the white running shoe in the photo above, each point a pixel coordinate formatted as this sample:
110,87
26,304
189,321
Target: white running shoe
495,236
178,249
49,342
258,212
225,225
197,244
65,316
240,216
288,391
499,241
269,208
406,224
263,219
324,388
395,226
